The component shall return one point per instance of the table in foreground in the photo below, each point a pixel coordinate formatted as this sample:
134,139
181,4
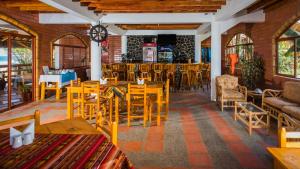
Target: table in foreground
64,144
285,158
251,115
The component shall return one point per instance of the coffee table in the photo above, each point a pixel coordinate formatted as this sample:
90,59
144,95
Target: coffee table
251,115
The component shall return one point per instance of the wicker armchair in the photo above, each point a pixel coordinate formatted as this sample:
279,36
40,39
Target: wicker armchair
229,91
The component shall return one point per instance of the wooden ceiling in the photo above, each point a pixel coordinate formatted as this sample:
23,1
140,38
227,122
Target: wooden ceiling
152,6
29,6
158,26
124,6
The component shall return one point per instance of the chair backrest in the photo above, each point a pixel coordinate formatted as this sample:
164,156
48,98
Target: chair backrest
227,81
184,67
106,126
112,80
137,90
144,67
289,139
21,121
115,67
130,67
170,67
76,82
158,67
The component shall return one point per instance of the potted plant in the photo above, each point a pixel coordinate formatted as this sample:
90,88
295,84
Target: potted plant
2,83
252,71
26,93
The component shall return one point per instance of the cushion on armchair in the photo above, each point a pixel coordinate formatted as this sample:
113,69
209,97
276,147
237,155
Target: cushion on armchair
227,81
293,111
232,94
291,91
278,102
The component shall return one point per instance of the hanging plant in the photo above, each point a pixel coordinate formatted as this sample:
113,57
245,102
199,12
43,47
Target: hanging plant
252,71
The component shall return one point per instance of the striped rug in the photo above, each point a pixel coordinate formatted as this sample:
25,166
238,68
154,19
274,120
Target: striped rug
63,151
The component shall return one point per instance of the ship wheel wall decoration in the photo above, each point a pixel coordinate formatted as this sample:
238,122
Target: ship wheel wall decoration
98,33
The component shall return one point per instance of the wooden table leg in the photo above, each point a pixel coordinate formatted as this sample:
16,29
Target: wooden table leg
117,109
250,123
159,106
43,90
57,92
69,104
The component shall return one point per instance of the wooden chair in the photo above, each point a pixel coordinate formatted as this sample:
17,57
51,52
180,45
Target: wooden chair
106,70
206,75
115,70
158,72
170,72
130,72
91,98
76,98
107,127
166,98
184,71
22,121
197,71
137,98
289,139
104,120
144,70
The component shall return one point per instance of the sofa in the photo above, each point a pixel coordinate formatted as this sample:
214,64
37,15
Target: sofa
228,91
284,105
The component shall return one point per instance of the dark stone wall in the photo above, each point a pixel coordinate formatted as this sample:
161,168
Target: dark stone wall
185,44
135,47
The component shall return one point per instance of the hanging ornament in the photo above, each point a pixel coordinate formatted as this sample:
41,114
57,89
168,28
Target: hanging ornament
98,33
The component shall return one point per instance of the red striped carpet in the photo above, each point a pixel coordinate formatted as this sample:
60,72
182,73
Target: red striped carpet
63,151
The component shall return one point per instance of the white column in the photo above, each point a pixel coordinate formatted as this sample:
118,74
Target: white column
197,49
124,44
215,56
95,60
56,57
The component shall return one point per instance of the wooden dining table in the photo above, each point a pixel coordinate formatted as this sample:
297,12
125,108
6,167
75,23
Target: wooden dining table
63,144
153,88
285,158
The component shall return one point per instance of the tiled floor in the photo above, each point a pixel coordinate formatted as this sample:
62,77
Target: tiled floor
196,135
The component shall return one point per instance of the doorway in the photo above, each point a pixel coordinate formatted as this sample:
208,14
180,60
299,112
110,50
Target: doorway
16,67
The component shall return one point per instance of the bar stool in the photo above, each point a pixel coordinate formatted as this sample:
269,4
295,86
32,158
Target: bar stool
130,72
184,71
158,72
115,70
145,70
170,72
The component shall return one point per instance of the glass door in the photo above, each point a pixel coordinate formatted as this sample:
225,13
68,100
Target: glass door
3,72
16,77
21,70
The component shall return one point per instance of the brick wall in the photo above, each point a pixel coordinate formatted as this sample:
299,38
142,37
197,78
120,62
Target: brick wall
278,18
47,33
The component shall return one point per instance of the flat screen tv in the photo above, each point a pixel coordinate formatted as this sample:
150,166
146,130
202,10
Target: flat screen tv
166,39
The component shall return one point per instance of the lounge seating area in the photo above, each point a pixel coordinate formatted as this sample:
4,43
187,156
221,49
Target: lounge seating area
153,84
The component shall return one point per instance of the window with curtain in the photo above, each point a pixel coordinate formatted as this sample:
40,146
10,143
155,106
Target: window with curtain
240,44
288,52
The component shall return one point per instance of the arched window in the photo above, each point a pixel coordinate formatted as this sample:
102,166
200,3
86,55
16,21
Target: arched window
69,52
241,45
288,52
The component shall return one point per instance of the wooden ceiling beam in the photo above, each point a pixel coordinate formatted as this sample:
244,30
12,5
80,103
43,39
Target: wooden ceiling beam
159,26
